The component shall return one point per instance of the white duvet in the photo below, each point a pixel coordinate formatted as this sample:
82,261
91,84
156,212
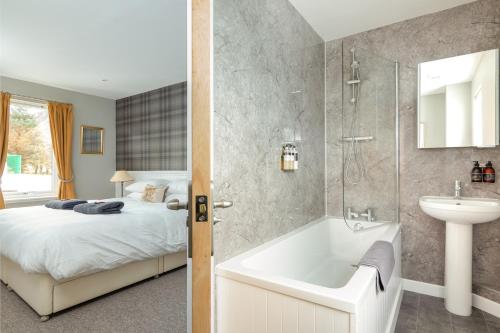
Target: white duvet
66,244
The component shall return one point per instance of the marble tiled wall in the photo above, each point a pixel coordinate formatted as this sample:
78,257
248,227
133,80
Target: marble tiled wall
470,28
269,87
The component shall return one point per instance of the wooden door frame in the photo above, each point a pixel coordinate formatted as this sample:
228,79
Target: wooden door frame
201,165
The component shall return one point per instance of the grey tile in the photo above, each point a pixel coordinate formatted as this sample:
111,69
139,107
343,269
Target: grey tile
410,299
472,324
404,330
263,51
408,313
432,316
407,320
492,322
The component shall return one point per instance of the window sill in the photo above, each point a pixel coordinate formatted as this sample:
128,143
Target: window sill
29,199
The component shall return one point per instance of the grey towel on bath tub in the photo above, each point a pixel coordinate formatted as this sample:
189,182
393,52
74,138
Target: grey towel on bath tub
111,207
64,204
380,256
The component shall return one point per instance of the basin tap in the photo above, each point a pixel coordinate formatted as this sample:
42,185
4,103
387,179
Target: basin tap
458,190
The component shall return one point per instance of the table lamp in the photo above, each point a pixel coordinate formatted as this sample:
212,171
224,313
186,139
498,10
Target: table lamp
121,176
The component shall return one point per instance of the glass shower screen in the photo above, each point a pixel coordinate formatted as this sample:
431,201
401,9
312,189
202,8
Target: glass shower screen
370,137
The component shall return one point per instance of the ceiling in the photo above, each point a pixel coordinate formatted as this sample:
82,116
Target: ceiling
112,48
334,19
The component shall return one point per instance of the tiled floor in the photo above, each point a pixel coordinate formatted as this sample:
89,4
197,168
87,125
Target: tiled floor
427,314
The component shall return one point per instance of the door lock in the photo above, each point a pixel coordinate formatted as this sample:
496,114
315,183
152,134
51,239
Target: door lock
201,208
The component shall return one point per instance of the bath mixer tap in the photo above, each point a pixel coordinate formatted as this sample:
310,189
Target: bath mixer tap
458,190
351,214
369,215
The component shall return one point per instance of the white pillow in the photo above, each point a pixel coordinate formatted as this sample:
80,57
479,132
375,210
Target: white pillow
177,187
135,196
141,185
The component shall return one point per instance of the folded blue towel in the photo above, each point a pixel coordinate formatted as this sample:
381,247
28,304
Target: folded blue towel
64,204
111,207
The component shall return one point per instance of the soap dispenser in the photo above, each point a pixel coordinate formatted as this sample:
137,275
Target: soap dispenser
477,173
489,173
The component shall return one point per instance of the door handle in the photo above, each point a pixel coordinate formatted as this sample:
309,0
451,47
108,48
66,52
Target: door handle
175,204
223,204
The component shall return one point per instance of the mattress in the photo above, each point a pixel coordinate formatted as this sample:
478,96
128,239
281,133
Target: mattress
66,244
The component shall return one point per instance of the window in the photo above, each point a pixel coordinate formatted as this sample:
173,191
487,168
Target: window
29,170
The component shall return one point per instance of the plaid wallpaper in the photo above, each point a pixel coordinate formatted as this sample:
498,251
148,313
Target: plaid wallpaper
151,130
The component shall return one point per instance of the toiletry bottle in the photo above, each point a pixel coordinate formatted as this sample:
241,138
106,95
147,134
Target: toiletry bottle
287,157
282,159
296,159
489,173
477,173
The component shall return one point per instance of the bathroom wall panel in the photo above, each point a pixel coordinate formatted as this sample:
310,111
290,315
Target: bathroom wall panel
470,28
269,88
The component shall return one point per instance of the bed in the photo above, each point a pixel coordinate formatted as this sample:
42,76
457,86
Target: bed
55,259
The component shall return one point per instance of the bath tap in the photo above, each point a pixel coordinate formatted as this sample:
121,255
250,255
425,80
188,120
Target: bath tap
369,215
351,214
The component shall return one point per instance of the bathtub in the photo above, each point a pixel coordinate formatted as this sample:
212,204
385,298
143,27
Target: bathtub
307,282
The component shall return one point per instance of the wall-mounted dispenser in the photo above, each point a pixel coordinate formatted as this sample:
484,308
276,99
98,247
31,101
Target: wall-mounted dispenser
289,157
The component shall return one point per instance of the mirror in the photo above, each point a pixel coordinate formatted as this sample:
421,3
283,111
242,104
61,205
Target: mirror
458,103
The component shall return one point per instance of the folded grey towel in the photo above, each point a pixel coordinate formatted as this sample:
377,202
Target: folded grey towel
380,256
111,207
64,204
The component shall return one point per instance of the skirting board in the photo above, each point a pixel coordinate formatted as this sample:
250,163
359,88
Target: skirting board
435,290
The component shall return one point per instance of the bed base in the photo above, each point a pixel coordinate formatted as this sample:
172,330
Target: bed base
47,296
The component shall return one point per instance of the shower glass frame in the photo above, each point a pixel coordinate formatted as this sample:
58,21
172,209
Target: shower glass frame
346,90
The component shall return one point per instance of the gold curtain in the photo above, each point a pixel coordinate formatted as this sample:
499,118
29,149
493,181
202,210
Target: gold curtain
4,136
61,130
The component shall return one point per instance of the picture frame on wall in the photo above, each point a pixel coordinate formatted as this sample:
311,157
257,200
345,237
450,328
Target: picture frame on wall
91,140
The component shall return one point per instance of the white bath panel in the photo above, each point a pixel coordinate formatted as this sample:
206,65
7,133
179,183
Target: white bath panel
246,309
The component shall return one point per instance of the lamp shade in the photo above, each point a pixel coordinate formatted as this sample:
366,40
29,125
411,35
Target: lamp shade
121,176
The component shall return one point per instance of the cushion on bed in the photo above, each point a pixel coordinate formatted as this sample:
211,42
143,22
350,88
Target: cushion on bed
154,194
140,186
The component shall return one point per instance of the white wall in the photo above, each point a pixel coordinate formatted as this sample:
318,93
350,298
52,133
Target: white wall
433,117
458,115
92,172
486,79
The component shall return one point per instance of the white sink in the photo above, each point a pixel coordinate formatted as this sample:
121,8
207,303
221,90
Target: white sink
460,215
463,211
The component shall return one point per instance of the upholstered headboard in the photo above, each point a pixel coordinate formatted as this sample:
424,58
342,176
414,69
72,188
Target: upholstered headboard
146,175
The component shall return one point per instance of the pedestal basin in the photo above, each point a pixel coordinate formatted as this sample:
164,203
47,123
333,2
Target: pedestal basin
463,210
460,215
